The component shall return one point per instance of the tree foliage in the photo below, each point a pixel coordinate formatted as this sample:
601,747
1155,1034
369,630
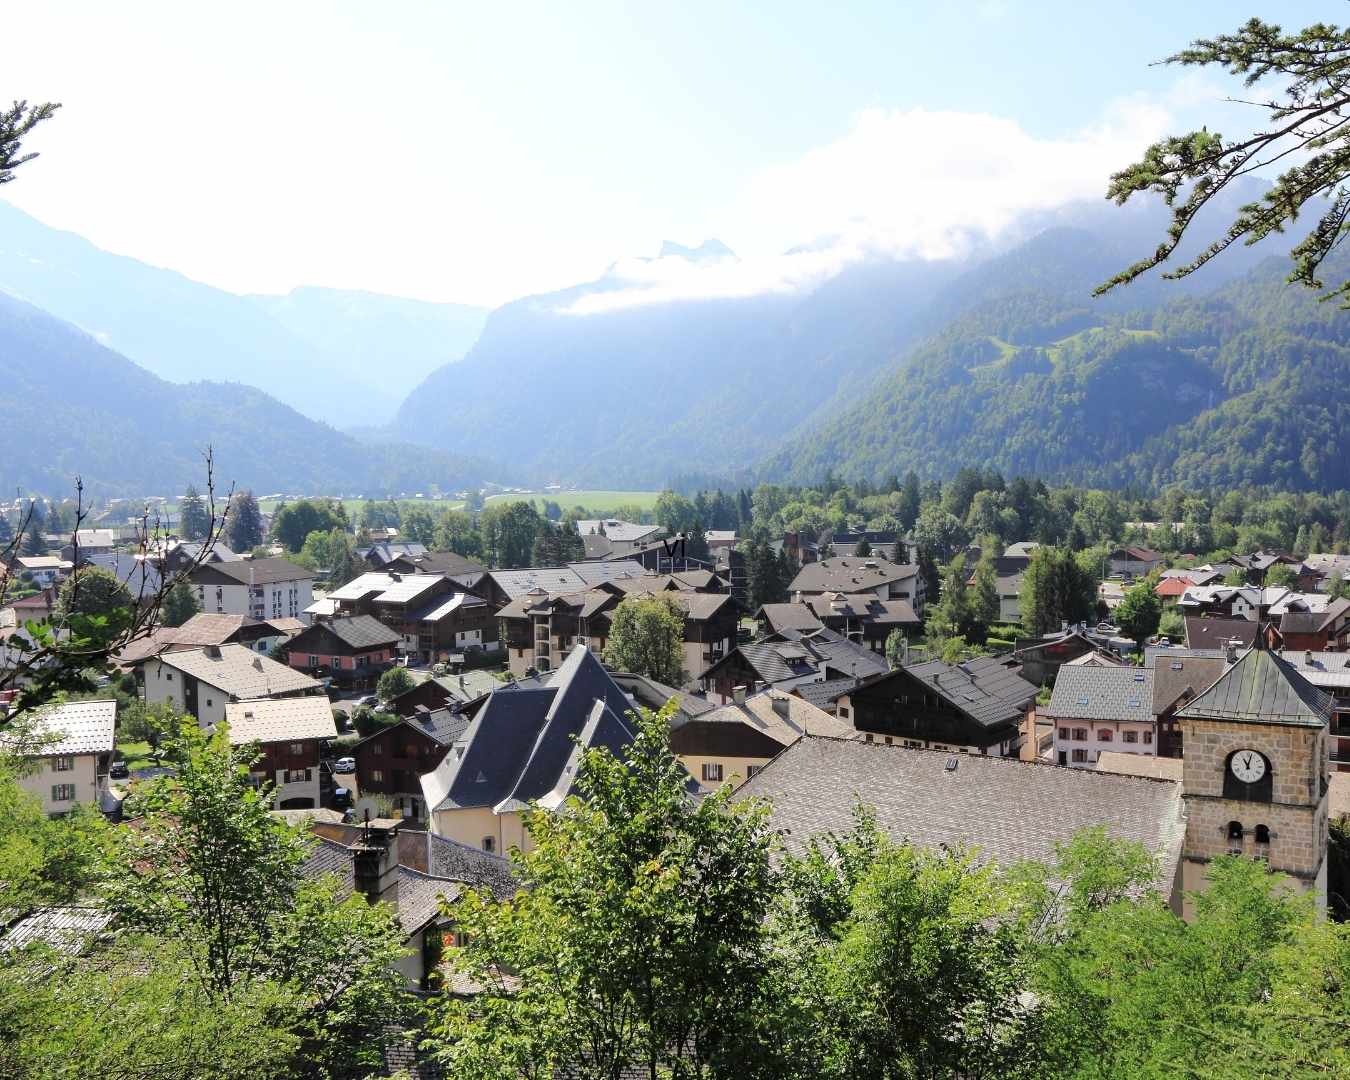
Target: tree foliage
1056,589
244,528
16,123
180,604
194,521
646,637
397,680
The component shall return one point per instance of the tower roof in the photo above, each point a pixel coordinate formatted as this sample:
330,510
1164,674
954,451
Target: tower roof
1262,688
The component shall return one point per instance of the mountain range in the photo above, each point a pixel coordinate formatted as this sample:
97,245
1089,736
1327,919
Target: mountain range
344,357
999,358
74,407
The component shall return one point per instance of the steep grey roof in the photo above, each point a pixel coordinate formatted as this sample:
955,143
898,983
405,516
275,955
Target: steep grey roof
654,694
849,575
1301,622
1262,688
774,661
824,694
1010,810
329,857
1182,671
788,617
390,550
1328,670
444,725
984,688
1102,693
603,729
837,653
1202,633
420,896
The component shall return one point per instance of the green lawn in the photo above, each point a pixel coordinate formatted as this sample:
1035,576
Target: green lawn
602,502
136,755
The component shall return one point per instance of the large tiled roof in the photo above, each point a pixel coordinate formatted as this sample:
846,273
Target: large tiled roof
362,631
1328,670
849,575
582,604
330,857
985,688
1182,672
654,694
788,617
1010,810
473,867
1102,693
824,694
77,727
865,607
445,726
1262,688
280,720
252,571
207,628
420,896
240,672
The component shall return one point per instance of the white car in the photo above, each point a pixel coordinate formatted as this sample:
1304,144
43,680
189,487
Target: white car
345,764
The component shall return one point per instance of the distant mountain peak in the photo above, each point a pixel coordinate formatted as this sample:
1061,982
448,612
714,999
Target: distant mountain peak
711,248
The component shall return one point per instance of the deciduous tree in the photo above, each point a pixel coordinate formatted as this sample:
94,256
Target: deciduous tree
646,637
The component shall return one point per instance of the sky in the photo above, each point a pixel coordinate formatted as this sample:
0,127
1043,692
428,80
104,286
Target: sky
480,152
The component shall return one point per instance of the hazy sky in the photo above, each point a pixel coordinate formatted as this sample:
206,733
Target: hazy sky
478,152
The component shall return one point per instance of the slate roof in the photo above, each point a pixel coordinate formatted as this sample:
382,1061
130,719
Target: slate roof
788,617
584,604
759,713
1215,633
251,571
445,726
362,631
1182,671
866,607
478,869
1262,688
649,692
518,745
795,654
824,694
240,672
849,575
70,930
140,576
1102,693
1010,810
76,727
1327,670
444,562
420,896
385,587
985,688
330,857
390,550
280,720
595,573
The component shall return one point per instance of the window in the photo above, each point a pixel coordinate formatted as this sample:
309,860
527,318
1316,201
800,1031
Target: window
63,792
313,660
1148,738
1106,735
1235,834
377,748
63,762
363,661
1080,756
168,676
1130,736
1064,734
712,772
869,737
1262,838
297,748
377,776
1080,734
750,770
209,701
888,740
844,712
489,844
296,776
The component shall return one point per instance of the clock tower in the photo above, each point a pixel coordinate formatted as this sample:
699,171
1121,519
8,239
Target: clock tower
1254,771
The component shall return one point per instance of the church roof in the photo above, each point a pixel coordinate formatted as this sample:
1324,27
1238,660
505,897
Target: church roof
1262,688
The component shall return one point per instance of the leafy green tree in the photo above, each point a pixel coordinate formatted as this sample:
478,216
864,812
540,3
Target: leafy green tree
675,513
984,599
1281,575
418,525
696,543
180,604
951,616
1055,589
194,523
92,590
1302,124
509,531
1140,611
863,549
896,643
456,531
938,534
638,940
367,721
1338,587
1172,626
244,528
397,680
293,523
334,553
646,637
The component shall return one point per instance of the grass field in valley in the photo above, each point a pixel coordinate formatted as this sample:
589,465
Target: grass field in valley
602,502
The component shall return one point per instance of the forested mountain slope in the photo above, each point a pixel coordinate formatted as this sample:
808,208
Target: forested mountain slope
70,406
1247,384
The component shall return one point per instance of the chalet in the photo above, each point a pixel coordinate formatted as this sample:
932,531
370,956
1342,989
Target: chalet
978,706
1042,657
392,761
1171,589
788,660
503,586
859,617
260,588
1133,561
606,537
380,555
662,556
1330,673
728,745
1094,709
70,751
1179,676
720,540
257,635
1318,627
172,555
1008,811
523,747
434,615
201,682
45,570
799,547
1257,565
885,580
775,618
37,608
354,650
291,734
464,571
90,542
884,544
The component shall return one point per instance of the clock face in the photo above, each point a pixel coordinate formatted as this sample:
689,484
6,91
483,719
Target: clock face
1248,766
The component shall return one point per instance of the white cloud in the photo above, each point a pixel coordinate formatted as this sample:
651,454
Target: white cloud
915,183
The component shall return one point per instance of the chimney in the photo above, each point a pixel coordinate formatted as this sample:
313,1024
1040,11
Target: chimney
212,651
1307,658
375,859
257,663
781,706
1230,652
738,695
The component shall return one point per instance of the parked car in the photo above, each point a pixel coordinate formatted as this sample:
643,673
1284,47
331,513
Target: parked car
369,701
342,798
119,771
345,764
